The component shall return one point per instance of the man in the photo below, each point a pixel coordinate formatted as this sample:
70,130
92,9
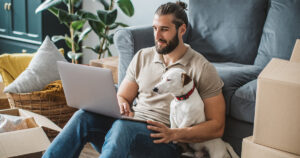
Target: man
120,138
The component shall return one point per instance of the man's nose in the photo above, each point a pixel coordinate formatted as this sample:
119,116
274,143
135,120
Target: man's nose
157,35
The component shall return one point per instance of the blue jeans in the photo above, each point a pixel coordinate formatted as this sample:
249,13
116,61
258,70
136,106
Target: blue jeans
112,138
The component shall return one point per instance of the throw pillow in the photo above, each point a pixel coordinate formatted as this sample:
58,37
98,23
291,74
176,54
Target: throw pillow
280,32
41,70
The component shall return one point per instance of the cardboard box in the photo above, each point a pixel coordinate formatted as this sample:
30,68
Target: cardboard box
26,141
277,111
295,57
109,63
252,150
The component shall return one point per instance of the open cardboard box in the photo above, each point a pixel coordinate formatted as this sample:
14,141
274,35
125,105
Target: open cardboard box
277,111
253,150
26,141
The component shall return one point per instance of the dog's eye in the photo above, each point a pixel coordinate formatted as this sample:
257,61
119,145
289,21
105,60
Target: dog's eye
168,79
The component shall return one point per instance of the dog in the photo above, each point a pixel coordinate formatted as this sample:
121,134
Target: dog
187,109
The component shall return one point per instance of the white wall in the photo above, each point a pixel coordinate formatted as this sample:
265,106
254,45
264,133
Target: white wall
143,15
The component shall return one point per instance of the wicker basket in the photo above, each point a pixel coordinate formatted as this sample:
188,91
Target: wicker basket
52,106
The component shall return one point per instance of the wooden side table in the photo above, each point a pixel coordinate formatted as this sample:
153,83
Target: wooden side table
109,63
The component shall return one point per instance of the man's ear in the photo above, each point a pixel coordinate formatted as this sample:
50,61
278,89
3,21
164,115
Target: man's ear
182,29
185,79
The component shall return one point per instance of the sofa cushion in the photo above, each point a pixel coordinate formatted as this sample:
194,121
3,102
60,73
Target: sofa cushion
227,31
41,70
243,102
280,32
234,76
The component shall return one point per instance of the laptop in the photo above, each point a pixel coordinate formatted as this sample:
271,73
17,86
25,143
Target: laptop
90,88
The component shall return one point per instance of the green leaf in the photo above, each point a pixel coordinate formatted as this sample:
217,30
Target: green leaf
98,27
122,24
88,16
109,53
73,55
126,6
64,16
77,25
84,34
54,11
57,38
113,26
47,4
76,3
68,41
111,38
108,17
105,4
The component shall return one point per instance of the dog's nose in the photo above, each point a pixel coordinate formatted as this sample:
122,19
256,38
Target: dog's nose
155,89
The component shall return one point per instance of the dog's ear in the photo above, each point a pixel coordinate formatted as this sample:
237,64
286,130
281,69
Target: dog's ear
185,79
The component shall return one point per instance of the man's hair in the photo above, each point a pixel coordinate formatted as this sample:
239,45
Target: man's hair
177,10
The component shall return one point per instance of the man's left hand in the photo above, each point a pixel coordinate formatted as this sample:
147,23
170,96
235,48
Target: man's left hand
164,134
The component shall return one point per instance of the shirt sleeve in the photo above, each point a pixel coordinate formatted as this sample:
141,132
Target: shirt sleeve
210,83
132,69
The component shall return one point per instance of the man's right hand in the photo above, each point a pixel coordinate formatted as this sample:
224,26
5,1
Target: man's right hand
125,109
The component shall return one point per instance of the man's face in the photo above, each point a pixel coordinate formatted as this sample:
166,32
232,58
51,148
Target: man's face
165,33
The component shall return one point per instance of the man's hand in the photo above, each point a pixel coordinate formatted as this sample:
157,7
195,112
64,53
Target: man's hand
164,134
125,107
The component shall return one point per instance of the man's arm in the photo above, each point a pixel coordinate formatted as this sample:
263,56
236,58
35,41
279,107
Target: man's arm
212,128
127,92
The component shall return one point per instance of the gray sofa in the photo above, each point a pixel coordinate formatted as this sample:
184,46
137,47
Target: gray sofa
239,37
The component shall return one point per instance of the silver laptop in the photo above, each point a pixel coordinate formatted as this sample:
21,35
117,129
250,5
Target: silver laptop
90,88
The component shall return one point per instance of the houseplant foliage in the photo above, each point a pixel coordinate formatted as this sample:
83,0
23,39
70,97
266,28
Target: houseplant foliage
74,18
105,21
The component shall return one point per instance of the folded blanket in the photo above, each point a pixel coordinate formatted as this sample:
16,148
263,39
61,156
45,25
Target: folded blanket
11,65
54,89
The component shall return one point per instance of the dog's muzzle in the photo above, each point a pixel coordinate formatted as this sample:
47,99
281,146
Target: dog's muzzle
155,89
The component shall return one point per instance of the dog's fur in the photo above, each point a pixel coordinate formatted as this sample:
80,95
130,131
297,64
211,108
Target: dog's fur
186,113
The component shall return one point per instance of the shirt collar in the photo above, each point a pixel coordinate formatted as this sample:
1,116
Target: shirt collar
158,58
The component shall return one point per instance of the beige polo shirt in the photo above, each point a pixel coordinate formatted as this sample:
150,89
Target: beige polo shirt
147,68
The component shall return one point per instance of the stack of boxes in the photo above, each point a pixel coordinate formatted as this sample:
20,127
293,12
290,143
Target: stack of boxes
277,115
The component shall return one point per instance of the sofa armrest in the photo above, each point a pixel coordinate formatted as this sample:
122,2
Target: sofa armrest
128,41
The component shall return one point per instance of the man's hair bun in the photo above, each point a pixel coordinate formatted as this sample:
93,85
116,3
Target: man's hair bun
182,5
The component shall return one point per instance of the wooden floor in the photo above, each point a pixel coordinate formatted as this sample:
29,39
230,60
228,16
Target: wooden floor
89,152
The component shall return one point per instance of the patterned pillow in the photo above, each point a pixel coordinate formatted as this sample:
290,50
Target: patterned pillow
41,70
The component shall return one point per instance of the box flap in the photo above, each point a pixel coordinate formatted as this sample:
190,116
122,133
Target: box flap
23,142
295,57
41,120
281,70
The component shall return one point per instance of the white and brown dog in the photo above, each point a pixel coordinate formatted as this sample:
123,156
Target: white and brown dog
187,109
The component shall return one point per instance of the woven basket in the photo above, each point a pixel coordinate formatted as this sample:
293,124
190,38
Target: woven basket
52,106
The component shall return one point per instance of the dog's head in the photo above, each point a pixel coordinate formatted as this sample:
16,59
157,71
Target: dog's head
173,81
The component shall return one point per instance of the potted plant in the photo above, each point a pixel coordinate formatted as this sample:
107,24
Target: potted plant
106,23
72,17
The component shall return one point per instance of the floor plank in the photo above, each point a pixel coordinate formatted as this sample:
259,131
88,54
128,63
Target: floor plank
89,152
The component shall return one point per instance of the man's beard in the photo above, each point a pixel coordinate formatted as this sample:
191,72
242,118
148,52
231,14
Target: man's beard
170,46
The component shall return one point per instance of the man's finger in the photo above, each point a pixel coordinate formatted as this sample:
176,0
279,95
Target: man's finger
160,141
156,135
155,123
154,128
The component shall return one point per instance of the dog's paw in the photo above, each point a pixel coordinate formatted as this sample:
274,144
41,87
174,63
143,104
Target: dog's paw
199,154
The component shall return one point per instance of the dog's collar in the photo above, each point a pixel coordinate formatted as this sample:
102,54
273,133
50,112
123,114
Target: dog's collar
186,96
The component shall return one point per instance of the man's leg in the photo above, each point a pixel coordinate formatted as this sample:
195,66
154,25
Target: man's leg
83,127
132,139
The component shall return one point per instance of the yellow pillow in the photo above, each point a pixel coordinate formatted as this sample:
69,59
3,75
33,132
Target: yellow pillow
12,65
